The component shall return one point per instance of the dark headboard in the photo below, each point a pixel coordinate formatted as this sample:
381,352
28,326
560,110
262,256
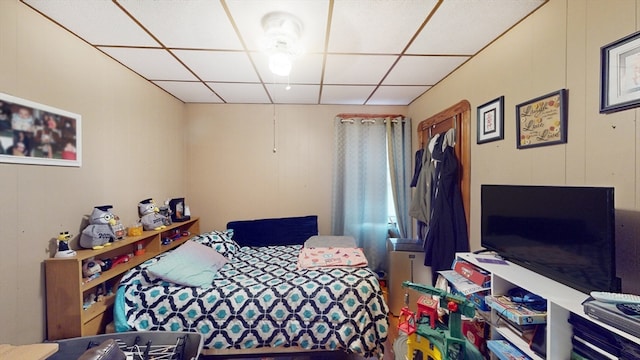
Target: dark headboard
274,231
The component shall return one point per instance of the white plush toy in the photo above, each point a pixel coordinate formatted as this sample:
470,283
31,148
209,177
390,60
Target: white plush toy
149,216
99,232
63,246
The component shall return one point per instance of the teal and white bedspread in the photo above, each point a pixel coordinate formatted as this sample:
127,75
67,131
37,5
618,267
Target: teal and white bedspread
261,299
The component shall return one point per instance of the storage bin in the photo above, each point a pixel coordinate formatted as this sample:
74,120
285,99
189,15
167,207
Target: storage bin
143,344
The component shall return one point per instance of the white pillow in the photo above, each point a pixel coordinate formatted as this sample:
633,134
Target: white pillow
190,264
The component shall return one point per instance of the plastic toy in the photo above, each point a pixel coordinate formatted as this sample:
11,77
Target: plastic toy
118,228
91,267
135,229
121,259
106,264
432,340
63,246
99,232
149,216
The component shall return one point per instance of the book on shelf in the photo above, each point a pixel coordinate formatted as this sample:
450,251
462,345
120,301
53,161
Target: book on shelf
504,350
523,331
516,312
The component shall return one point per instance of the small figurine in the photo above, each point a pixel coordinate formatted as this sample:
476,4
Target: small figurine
118,228
91,267
99,232
63,246
149,216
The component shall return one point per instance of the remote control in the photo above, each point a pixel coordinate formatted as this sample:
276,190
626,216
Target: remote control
610,297
629,309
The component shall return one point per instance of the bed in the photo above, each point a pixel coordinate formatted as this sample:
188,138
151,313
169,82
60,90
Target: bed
259,300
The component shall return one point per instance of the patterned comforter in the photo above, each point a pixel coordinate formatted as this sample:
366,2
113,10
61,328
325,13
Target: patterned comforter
261,299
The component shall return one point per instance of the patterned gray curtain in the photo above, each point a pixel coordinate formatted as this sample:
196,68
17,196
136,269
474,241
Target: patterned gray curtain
362,162
399,144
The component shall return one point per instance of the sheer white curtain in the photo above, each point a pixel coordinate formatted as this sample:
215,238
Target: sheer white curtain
360,190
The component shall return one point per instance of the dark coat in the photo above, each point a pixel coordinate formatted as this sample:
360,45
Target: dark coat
447,232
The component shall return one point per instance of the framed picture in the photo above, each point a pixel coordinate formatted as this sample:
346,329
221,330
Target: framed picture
491,121
542,121
620,74
32,133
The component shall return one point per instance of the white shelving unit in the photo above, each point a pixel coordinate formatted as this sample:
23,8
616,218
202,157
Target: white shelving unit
561,301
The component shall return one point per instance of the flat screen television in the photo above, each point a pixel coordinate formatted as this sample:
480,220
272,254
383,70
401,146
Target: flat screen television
566,233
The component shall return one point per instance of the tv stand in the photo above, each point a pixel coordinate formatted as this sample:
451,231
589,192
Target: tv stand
561,301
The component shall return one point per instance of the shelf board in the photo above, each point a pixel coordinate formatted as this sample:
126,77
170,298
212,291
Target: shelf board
517,341
97,308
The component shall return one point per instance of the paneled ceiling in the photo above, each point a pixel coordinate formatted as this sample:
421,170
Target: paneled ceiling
360,52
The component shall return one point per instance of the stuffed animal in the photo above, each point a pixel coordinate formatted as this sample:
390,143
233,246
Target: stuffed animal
99,232
149,216
63,246
91,267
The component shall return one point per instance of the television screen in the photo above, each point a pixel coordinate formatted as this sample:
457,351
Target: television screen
562,232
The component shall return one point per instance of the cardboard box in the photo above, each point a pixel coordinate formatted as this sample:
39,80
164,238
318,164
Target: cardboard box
472,272
505,351
515,312
478,298
477,332
460,285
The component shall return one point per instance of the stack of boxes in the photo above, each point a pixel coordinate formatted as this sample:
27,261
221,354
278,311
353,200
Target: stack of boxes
479,277
474,283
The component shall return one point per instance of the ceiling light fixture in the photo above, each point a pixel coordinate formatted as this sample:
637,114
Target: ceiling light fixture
282,32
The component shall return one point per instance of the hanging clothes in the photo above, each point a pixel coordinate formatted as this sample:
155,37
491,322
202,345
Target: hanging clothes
447,232
417,167
421,201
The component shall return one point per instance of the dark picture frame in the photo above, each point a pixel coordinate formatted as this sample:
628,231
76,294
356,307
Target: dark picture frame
491,121
542,121
620,74
37,134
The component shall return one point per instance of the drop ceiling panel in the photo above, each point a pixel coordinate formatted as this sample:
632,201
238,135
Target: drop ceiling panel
357,69
346,95
153,64
241,93
190,92
354,51
396,95
422,70
297,94
366,26
193,24
466,26
96,21
218,65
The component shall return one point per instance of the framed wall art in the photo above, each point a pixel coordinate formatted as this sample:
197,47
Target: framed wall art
491,121
542,121
620,74
32,133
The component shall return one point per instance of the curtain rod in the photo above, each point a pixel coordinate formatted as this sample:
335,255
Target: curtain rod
368,116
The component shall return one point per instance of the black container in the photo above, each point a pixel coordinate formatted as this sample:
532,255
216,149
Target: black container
178,209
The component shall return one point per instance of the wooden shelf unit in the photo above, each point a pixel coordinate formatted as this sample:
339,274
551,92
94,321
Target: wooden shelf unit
66,288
